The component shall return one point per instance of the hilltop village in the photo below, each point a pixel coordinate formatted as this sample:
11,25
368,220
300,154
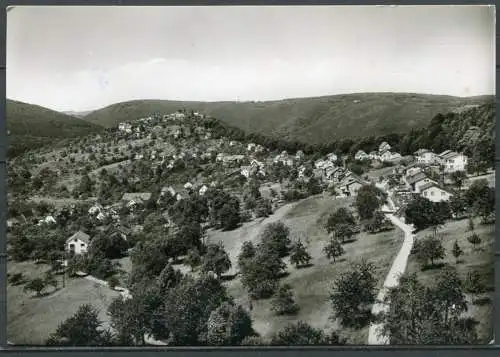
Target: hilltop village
167,231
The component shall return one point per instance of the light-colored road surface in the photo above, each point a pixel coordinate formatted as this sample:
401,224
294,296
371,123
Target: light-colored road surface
392,279
126,295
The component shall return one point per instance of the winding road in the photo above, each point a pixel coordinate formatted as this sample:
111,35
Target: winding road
398,267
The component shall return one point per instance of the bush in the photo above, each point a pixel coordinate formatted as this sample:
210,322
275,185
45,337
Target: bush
16,279
284,301
113,282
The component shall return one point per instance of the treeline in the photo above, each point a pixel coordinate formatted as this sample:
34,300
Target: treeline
472,131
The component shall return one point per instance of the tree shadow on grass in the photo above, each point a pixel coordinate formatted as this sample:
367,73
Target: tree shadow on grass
284,274
308,265
482,301
228,277
435,266
362,319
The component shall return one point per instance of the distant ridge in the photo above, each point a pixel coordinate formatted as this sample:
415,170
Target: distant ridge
30,126
78,114
316,120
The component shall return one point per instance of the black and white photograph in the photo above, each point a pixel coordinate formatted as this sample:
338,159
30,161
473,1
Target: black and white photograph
250,175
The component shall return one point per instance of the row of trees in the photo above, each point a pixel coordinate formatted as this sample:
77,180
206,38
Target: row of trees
419,314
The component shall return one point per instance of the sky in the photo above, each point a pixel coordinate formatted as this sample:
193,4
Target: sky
84,58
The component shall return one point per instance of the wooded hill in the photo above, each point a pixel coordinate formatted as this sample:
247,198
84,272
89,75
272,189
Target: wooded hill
315,120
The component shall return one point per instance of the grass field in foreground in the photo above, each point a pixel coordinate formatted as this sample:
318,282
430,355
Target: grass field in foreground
481,259
312,286
31,320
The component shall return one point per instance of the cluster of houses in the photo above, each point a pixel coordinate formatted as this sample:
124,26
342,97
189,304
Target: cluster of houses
384,154
244,159
418,182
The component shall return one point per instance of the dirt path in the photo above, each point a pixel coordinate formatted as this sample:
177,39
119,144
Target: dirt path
126,295
392,279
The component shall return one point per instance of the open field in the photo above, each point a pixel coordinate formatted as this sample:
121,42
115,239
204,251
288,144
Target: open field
472,259
31,320
312,285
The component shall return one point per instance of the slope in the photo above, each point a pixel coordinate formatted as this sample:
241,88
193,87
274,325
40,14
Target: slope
318,120
30,126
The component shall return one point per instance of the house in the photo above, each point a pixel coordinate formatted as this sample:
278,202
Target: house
434,193
351,184
374,155
412,169
95,209
188,185
122,231
47,220
259,148
233,159
11,222
257,164
203,189
398,170
330,172
283,158
332,157
251,147
361,155
453,161
101,216
301,171
299,155
389,156
319,164
78,243
417,181
126,127
384,147
169,189
132,199
246,171
426,157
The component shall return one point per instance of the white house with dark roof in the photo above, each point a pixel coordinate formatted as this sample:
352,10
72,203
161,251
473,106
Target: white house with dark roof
132,199
453,161
203,189
299,155
361,155
351,184
96,208
78,243
388,156
426,157
434,193
417,181
332,157
384,147
374,155
47,220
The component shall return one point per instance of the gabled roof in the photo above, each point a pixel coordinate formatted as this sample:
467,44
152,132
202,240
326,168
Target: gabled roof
351,178
432,184
419,176
136,196
421,151
84,237
123,229
449,154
